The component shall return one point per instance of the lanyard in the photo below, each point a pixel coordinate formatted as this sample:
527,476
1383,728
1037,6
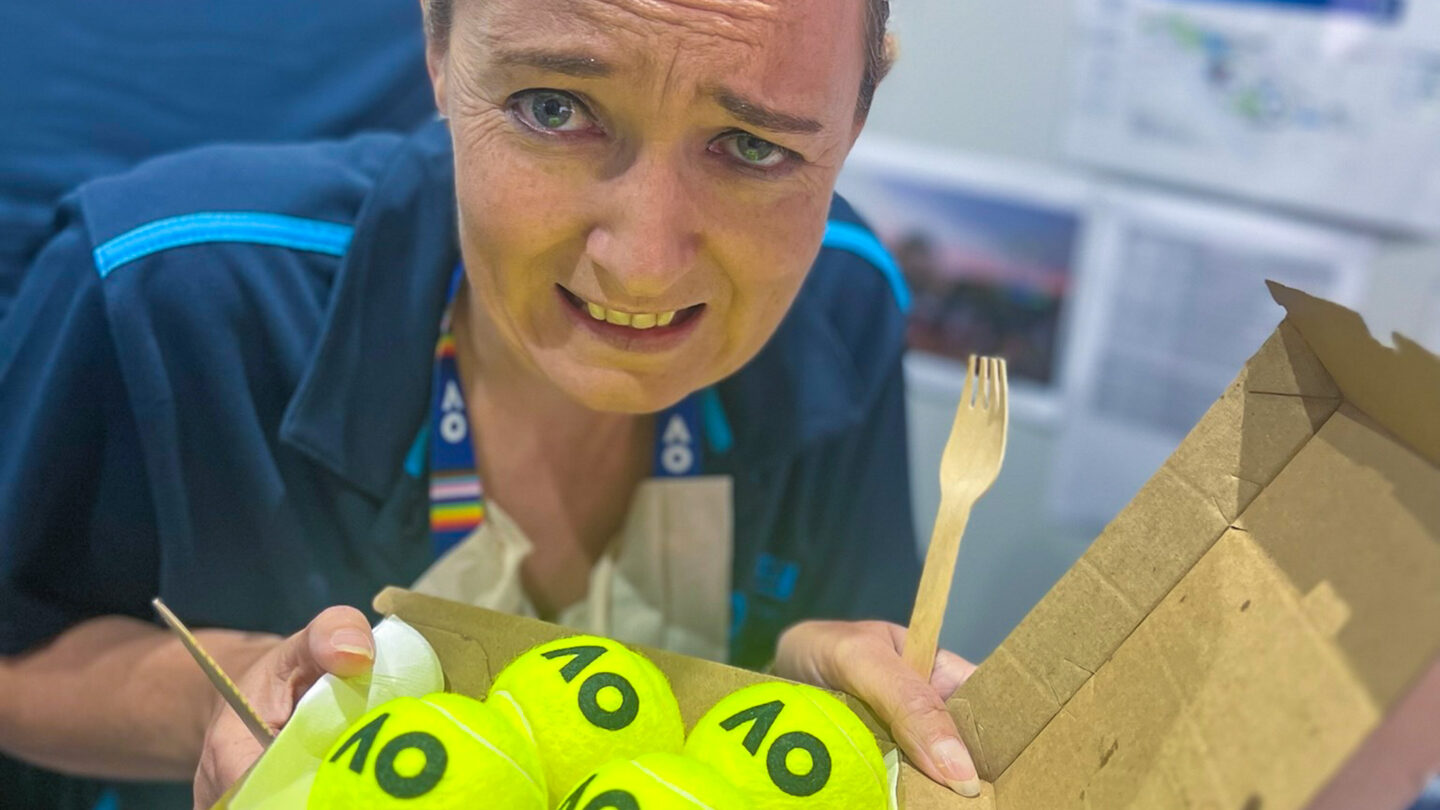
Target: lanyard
457,496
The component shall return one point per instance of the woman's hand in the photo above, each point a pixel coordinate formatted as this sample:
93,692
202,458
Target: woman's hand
863,659
337,641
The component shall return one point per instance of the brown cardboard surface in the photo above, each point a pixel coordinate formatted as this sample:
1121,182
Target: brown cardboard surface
1249,633
1357,516
1399,388
1284,394
1253,616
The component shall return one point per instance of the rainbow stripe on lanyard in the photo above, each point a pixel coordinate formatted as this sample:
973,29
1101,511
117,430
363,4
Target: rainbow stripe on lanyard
457,496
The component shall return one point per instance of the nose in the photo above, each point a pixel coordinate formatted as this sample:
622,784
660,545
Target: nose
646,235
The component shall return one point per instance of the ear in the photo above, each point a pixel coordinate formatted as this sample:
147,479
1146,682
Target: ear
437,51
435,64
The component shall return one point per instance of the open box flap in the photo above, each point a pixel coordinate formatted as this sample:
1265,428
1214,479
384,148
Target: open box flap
1099,697
1398,388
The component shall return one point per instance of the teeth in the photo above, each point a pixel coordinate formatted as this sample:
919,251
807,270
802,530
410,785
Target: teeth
638,320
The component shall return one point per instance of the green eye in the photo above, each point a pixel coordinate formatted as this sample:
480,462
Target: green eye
753,149
754,152
551,110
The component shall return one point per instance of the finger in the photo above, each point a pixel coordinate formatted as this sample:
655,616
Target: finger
337,641
950,672
340,641
229,750
915,713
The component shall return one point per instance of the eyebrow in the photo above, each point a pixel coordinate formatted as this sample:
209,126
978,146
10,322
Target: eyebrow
762,117
585,66
579,65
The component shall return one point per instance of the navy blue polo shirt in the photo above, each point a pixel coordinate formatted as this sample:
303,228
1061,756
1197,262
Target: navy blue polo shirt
217,368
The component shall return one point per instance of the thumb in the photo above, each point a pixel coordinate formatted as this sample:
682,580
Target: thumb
922,726
912,708
337,641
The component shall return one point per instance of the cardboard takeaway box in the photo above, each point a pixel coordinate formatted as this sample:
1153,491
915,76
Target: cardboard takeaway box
1253,632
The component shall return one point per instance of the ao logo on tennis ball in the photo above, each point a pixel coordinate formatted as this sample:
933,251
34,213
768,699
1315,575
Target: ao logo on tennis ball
435,752
420,781
777,759
589,698
609,800
585,701
656,781
786,745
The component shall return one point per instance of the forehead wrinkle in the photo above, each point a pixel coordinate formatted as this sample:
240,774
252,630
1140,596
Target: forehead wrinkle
653,41
732,20
557,61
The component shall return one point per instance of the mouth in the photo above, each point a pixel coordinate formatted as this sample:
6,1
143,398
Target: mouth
633,331
633,321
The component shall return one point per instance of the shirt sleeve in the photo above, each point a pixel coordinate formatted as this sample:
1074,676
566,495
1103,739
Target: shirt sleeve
872,566
77,526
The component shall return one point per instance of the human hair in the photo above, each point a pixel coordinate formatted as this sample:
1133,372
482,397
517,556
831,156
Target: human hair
879,54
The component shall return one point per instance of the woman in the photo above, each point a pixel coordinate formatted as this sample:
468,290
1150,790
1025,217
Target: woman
225,359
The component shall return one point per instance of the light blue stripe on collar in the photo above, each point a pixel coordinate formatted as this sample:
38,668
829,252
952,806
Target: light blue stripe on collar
415,457
717,426
856,239
254,227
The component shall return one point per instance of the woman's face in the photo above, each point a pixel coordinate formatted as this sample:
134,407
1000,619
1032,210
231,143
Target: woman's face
643,184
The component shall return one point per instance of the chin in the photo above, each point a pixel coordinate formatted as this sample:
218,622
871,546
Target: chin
613,391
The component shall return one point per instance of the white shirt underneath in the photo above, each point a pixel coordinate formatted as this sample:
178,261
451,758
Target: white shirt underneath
664,581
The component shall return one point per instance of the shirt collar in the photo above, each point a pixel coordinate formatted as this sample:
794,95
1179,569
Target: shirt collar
367,387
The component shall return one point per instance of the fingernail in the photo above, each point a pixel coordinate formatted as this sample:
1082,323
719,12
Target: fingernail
354,642
951,759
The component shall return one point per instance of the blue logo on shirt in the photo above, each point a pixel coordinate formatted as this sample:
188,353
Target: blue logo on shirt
775,578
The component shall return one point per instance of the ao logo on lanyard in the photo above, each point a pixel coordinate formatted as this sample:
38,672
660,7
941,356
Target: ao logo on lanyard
454,428
677,441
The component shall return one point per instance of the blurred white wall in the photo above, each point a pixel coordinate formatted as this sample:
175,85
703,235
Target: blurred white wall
990,78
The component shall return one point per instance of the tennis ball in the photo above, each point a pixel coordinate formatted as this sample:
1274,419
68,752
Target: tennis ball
586,700
655,782
785,745
439,751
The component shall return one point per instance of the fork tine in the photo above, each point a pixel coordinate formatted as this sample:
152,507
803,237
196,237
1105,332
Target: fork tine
990,383
994,384
981,379
967,394
1004,387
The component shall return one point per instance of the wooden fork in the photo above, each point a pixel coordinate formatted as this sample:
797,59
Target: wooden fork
967,469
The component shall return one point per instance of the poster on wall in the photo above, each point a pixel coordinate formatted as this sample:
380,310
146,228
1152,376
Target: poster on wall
988,249
1177,304
1329,107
